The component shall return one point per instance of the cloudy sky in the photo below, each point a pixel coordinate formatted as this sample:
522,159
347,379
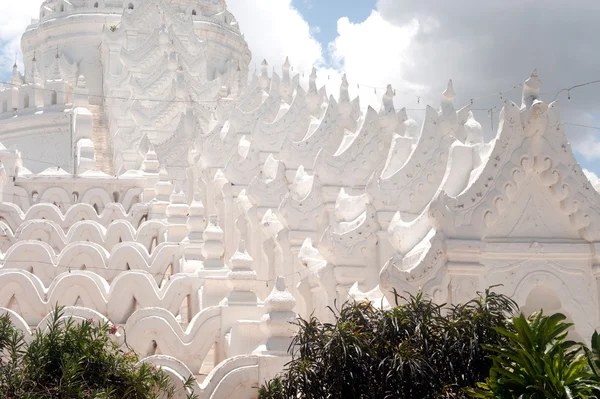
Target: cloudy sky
486,47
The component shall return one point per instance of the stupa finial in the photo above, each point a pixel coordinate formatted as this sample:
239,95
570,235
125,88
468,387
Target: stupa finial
264,67
388,99
449,95
344,95
531,89
312,81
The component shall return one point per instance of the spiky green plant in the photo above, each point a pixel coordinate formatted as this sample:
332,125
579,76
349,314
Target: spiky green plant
417,349
537,362
73,359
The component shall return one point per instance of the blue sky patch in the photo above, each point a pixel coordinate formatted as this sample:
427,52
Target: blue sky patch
322,15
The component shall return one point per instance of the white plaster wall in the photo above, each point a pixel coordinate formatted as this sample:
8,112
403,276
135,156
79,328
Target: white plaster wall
44,140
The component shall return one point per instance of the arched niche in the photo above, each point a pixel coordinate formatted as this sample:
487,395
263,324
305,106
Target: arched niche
544,293
97,197
57,196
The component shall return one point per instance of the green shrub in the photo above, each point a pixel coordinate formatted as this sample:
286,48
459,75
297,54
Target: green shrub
414,350
75,360
537,362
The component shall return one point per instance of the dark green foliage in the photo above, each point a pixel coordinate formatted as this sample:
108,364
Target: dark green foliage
593,357
74,360
415,350
537,362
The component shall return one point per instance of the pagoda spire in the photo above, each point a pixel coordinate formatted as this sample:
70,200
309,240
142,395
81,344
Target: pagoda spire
264,75
531,89
15,80
312,82
449,95
34,74
344,95
264,67
447,99
388,100
57,74
286,70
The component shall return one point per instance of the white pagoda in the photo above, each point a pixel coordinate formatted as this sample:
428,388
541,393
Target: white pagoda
146,180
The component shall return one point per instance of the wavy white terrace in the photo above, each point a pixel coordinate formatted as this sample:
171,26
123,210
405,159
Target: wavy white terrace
155,187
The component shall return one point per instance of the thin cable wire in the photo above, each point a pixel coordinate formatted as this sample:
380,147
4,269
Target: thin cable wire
190,100
568,89
584,126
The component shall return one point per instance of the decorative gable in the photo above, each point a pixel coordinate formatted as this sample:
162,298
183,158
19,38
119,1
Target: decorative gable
531,185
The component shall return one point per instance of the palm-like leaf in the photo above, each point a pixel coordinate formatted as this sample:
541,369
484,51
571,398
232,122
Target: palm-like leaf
537,362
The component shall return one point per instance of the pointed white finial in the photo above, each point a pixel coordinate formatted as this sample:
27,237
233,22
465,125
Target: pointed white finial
264,68
213,248
389,90
196,223
177,214
163,188
196,214
81,82
388,100
241,260
150,164
241,278
345,81
278,321
531,89
15,79
312,81
286,70
402,114
449,95
344,95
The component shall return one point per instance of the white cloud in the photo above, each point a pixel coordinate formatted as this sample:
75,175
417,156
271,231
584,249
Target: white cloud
274,29
14,18
588,146
592,177
372,54
485,47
